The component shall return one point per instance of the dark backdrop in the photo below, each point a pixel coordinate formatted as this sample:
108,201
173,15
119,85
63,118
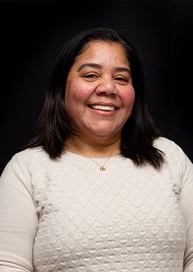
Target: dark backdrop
33,32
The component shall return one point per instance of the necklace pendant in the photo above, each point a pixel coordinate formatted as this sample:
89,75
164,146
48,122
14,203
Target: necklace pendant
102,168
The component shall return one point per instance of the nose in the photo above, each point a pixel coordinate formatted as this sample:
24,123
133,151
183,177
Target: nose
106,87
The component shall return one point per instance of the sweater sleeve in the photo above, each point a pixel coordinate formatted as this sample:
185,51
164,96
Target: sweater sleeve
18,219
186,203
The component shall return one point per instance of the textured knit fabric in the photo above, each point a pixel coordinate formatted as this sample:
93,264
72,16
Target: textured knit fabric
67,215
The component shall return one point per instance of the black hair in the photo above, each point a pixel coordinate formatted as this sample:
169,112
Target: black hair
54,126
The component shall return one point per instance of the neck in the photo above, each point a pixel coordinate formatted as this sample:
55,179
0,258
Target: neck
99,149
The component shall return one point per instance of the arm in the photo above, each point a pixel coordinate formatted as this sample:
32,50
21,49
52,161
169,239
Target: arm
18,219
186,203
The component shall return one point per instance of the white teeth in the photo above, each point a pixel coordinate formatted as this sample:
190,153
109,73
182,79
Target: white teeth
104,108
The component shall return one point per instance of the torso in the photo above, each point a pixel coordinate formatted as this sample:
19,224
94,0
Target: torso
123,219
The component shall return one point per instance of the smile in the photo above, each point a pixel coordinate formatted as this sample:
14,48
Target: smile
102,108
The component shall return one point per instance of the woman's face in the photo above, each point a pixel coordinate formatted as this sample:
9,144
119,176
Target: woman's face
99,93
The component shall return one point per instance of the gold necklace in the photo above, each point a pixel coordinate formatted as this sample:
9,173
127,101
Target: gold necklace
102,168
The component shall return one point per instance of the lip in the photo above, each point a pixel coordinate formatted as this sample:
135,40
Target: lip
102,112
104,104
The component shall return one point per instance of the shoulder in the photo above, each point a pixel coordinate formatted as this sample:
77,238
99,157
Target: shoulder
169,148
31,156
27,161
166,145
173,154
21,169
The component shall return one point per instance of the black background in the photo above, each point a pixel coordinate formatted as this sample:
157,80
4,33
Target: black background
33,33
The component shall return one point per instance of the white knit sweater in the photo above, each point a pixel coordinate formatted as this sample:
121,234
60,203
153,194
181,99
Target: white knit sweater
67,215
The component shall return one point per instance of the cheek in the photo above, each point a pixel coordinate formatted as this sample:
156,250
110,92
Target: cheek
128,98
77,93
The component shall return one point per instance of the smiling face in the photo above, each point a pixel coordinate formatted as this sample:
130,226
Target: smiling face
99,94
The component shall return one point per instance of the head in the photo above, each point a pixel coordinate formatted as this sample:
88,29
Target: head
99,94
138,131
77,47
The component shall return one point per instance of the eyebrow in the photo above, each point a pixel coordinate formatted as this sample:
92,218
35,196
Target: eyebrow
93,65
123,69
98,66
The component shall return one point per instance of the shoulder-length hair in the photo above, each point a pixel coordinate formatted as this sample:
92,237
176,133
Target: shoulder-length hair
54,127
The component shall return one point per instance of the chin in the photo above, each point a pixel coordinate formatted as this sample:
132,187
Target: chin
105,133
104,130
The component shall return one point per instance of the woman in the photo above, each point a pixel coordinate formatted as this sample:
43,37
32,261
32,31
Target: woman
98,188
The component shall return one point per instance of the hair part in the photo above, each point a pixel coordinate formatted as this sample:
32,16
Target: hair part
54,126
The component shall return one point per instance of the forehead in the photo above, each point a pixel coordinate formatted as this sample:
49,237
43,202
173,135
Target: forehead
101,51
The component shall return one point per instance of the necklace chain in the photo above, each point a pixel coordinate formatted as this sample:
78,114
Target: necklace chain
102,168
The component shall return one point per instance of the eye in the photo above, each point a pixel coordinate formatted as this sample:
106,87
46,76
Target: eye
121,79
90,76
